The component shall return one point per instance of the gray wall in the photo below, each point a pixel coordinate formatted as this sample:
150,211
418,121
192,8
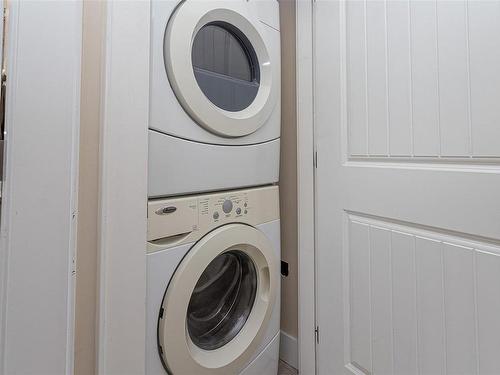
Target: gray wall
288,168
88,195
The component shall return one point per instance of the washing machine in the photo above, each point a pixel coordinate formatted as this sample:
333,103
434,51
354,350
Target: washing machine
215,102
213,284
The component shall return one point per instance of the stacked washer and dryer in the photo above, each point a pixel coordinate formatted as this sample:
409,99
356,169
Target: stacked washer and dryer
213,293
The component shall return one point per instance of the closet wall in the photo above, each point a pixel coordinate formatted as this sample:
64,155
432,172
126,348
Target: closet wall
288,175
88,197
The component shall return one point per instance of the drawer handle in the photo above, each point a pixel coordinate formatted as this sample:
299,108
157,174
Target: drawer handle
166,210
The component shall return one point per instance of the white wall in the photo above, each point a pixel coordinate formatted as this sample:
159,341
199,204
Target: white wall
39,210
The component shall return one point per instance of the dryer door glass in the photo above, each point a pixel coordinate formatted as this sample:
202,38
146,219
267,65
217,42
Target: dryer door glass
222,300
225,66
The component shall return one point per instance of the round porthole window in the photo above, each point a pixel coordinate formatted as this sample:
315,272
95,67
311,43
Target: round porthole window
221,68
222,300
225,66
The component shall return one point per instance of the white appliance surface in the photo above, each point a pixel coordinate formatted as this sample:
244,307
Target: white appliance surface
162,263
177,166
166,113
179,139
267,361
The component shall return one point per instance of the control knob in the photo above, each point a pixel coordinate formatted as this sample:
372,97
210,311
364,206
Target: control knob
227,206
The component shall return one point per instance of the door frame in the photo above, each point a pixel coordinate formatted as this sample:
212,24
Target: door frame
118,16
40,187
123,193
128,235
306,161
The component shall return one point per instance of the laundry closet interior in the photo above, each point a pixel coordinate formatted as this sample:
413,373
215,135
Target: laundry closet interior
221,174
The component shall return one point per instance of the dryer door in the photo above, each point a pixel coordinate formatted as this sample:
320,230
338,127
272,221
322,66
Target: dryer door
219,66
218,304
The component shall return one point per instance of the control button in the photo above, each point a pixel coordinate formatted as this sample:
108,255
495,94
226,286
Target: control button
246,212
227,206
238,211
216,215
245,204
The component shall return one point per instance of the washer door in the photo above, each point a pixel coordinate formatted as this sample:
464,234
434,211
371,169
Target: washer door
219,67
217,306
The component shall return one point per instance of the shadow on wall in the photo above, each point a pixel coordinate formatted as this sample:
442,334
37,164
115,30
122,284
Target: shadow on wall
288,185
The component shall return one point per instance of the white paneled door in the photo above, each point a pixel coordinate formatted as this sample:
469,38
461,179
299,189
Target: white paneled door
407,130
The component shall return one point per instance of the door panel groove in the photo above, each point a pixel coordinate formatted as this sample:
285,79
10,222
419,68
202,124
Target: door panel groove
422,75
439,234
438,321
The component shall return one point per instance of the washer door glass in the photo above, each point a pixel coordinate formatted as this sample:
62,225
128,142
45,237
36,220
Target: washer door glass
222,300
225,66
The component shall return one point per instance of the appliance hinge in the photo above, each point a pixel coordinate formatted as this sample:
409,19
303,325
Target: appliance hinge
315,159
316,333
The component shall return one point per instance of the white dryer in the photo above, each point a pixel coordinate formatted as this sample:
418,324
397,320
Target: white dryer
213,284
215,95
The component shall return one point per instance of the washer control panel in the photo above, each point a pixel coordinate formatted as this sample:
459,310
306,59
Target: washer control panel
227,206
172,221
